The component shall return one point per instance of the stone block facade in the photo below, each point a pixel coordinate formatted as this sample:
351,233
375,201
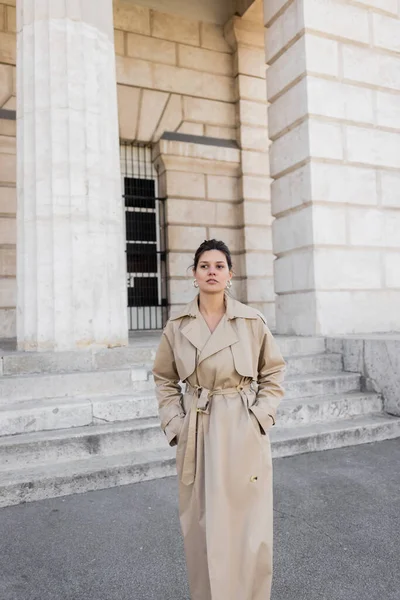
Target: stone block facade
333,88
202,185
173,73
306,93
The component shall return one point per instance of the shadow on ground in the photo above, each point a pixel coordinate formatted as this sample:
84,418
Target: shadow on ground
337,523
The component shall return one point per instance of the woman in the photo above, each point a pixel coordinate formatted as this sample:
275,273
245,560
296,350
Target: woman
225,354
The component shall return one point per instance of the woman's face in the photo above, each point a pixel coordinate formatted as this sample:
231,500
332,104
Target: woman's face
212,272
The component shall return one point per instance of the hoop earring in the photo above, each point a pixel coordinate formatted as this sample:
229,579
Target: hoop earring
195,284
229,284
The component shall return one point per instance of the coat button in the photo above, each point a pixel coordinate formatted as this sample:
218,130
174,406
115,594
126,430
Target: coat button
253,478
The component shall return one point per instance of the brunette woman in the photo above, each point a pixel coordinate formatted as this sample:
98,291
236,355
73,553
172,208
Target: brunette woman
232,371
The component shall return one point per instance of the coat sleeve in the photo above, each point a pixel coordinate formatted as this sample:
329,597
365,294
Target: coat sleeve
168,390
271,368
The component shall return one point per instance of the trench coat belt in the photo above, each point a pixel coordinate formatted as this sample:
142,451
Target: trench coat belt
201,405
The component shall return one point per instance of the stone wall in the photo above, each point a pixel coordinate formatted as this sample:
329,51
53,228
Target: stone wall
377,358
201,182
7,168
334,86
173,74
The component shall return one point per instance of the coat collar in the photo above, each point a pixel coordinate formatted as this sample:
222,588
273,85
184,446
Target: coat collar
195,329
234,310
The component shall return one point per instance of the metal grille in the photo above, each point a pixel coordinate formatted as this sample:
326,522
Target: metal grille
145,239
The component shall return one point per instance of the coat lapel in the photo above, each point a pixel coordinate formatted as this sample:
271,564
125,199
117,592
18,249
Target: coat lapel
196,332
223,337
230,329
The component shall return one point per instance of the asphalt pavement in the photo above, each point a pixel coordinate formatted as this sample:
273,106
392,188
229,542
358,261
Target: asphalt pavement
337,535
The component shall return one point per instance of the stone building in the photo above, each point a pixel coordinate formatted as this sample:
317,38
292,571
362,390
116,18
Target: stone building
145,127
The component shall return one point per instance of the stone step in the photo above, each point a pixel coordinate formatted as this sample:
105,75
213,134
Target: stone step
30,387
52,481
137,379
142,350
320,409
375,427
61,413
65,445
144,433
313,363
100,472
64,411
300,346
302,386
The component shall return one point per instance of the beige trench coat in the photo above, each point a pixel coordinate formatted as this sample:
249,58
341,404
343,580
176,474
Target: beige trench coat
220,424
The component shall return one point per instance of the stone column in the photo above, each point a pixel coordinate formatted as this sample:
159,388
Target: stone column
334,90
71,282
246,37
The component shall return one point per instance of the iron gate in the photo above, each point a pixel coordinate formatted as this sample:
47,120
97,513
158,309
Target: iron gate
145,239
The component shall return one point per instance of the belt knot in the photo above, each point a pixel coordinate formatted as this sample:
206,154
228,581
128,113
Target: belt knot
201,405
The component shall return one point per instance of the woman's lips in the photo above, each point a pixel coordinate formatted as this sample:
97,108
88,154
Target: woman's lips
212,281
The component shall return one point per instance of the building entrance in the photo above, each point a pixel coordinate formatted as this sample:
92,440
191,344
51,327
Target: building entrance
145,239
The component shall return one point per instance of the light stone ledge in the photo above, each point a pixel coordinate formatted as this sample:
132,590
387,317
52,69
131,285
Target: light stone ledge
189,150
201,166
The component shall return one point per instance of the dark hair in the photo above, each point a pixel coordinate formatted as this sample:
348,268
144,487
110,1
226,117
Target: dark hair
212,245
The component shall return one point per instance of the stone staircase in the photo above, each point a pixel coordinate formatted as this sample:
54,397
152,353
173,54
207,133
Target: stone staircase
72,423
